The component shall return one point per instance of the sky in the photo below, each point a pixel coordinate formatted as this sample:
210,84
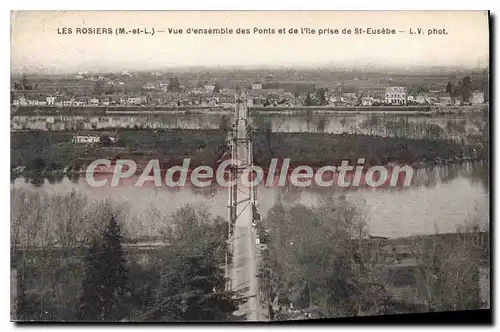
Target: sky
38,45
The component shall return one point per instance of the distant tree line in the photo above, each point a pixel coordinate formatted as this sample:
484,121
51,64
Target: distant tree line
24,85
463,88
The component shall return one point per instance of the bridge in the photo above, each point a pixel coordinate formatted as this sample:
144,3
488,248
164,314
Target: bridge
242,271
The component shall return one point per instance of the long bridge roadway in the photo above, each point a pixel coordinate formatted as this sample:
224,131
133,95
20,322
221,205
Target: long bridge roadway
244,265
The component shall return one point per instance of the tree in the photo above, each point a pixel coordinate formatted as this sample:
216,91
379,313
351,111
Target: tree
38,165
268,131
449,89
224,124
192,283
104,288
448,274
204,297
321,263
322,125
98,87
308,101
106,140
466,88
322,96
173,84
22,307
115,278
25,84
90,301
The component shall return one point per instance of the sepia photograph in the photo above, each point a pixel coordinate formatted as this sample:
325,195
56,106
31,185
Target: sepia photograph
249,166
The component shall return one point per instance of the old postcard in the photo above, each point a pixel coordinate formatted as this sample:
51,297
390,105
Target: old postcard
248,166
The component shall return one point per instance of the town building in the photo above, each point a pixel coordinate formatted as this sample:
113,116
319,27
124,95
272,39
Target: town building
80,101
92,137
67,102
83,138
149,86
396,95
448,101
256,86
51,100
134,100
209,87
367,101
334,99
349,95
421,99
378,96
21,101
163,85
477,97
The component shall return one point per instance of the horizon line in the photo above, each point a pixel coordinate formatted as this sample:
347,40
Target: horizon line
337,67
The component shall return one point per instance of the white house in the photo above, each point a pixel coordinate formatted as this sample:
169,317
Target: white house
67,102
163,85
349,95
367,101
396,95
134,100
82,139
94,101
256,86
51,100
209,88
477,97
21,101
149,87
445,100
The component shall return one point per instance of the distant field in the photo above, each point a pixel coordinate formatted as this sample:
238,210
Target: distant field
288,78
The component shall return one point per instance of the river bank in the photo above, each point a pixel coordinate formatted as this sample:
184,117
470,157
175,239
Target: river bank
96,110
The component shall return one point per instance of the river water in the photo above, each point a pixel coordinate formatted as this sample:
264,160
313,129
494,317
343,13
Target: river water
409,126
439,200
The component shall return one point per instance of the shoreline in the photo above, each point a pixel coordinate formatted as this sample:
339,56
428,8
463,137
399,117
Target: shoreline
416,166
289,110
